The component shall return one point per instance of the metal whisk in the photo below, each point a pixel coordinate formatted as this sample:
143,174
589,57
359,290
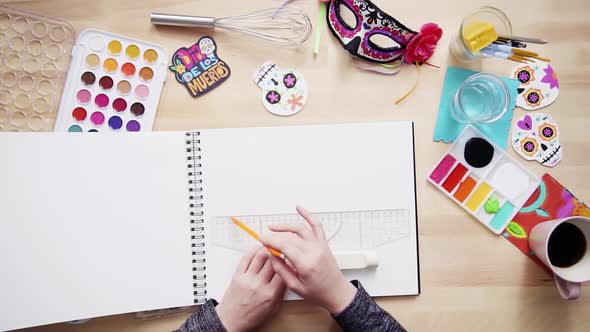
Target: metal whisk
287,26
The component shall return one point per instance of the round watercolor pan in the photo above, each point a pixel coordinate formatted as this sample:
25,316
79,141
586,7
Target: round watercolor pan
75,129
119,105
97,118
79,114
110,65
88,78
101,100
133,126
146,74
132,51
128,69
137,109
115,122
114,46
150,56
83,96
124,87
106,83
96,44
92,61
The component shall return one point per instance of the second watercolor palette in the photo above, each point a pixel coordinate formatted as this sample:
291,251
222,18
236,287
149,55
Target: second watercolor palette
113,85
478,175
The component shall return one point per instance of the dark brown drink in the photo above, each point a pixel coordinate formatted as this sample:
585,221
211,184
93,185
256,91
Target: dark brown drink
567,245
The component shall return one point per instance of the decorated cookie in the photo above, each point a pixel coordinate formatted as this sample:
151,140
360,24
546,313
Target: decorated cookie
539,86
536,137
284,92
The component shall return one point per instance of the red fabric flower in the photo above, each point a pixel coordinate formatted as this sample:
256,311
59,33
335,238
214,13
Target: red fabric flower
422,46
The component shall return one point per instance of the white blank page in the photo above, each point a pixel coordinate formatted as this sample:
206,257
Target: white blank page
329,168
92,225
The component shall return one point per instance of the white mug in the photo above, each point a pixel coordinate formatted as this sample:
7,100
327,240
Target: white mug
567,279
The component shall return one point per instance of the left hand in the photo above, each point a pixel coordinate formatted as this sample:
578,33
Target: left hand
254,294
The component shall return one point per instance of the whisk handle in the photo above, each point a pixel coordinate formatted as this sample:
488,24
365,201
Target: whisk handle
183,20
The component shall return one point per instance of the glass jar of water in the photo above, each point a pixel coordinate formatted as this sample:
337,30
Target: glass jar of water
482,98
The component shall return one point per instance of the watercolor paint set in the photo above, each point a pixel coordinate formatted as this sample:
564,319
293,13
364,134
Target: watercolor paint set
49,81
481,177
35,53
114,84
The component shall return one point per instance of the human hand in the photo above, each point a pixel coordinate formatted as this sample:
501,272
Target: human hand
311,270
254,294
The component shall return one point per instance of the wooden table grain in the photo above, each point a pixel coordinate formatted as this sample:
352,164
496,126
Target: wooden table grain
472,280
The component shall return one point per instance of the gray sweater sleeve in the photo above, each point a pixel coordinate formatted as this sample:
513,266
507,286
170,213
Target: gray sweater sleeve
362,314
204,320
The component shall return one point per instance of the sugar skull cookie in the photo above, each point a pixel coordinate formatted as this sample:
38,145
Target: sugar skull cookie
284,92
536,137
539,86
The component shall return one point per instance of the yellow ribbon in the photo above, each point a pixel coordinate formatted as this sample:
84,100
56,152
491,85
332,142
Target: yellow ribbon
413,88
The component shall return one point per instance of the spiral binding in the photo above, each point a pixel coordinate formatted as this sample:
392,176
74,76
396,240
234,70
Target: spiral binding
193,152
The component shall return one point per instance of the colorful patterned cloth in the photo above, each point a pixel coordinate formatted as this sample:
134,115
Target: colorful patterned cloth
550,201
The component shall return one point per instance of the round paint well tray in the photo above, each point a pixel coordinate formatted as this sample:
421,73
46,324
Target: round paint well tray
36,51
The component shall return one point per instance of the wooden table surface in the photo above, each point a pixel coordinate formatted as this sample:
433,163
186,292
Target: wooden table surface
472,280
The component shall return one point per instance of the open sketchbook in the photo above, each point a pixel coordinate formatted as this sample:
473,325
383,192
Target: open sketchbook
95,225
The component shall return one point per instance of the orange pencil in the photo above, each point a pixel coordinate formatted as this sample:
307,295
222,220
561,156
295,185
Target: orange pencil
253,234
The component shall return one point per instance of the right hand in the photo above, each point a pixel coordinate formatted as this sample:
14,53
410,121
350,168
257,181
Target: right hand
311,270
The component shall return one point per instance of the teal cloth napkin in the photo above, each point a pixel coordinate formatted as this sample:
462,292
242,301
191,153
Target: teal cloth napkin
447,128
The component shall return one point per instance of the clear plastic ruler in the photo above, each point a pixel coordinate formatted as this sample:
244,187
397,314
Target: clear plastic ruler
350,230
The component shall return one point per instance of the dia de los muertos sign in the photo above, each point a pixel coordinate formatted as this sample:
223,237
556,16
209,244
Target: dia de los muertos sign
199,68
